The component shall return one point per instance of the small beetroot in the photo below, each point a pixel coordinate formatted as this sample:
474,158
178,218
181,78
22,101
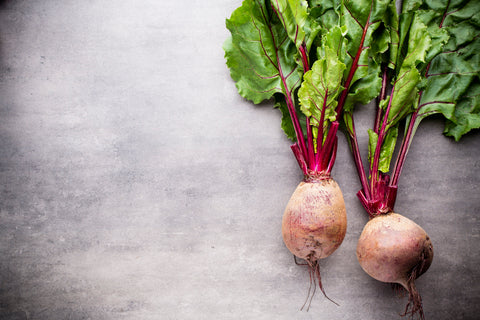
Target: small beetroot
393,248
423,71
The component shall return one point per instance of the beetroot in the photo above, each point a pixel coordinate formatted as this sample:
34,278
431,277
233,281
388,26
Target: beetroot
424,70
393,248
276,51
314,223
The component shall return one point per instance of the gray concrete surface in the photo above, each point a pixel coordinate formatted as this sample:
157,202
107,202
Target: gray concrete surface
137,184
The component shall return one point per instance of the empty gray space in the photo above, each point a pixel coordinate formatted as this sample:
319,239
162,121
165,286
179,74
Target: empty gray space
135,183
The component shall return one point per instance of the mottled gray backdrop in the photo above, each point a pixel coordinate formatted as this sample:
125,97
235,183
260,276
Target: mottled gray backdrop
135,183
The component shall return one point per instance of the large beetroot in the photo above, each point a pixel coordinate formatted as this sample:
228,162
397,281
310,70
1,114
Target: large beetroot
315,222
275,51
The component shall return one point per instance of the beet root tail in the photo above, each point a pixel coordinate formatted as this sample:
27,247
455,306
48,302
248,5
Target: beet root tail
414,305
315,278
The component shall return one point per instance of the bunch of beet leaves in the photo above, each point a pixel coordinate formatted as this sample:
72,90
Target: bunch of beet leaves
317,61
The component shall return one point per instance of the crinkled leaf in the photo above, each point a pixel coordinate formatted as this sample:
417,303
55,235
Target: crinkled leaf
320,89
438,36
259,51
391,27
365,89
419,42
414,51
451,86
462,21
300,26
365,22
382,43
467,114
419,30
326,13
362,18
366,33
410,54
334,39
411,5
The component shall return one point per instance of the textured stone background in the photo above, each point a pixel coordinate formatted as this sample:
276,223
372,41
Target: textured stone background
135,183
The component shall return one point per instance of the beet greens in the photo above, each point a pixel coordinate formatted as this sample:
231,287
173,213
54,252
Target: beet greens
318,60
267,54
431,67
313,59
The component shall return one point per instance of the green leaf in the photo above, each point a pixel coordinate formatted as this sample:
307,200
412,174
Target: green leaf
321,88
404,96
419,42
372,145
334,39
259,51
367,38
453,79
414,48
462,22
300,26
326,13
467,113
411,5
366,31
388,148
348,123
363,16
438,36
391,27
364,90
